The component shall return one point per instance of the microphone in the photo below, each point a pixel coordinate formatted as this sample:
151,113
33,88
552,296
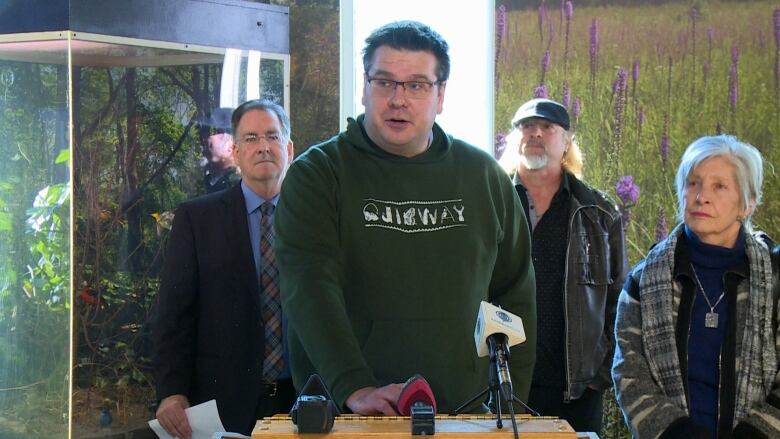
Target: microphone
497,344
492,320
314,410
417,400
496,330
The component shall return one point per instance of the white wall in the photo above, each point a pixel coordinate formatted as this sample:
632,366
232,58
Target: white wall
468,28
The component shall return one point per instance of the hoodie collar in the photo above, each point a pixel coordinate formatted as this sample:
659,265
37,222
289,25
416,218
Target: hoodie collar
356,136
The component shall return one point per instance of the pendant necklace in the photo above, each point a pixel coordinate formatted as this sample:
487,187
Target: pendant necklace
710,318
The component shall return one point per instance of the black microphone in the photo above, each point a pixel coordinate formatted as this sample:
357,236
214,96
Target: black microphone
497,344
314,410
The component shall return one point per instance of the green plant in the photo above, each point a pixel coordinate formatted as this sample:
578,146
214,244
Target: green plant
35,342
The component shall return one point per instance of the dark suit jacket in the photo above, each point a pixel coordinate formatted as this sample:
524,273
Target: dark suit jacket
207,331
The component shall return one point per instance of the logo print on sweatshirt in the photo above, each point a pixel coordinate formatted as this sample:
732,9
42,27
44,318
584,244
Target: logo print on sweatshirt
414,216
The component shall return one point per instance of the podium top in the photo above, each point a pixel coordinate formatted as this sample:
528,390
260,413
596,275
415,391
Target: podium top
460,426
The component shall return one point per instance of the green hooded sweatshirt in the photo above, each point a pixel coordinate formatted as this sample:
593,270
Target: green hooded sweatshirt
384,259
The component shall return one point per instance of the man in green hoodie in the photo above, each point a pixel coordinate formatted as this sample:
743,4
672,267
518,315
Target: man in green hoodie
390,234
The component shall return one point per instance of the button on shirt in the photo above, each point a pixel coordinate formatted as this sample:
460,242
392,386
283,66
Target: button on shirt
253,202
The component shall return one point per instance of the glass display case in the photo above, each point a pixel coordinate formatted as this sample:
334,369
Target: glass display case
106,124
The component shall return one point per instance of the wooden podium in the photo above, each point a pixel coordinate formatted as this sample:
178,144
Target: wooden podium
460,427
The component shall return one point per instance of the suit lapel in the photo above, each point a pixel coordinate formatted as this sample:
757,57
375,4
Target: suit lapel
238,242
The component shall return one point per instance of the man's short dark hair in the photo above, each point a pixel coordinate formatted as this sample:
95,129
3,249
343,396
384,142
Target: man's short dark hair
409,35
265,105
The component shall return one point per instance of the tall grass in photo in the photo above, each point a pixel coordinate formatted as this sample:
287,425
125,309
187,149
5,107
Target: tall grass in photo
641,83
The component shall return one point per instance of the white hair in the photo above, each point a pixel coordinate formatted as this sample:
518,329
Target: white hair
746,160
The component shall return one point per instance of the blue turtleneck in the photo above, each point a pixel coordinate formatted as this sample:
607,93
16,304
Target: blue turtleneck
710,263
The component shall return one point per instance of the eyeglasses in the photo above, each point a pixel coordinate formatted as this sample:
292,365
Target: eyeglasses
414,89
253,140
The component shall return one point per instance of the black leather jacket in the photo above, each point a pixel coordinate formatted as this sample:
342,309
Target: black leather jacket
595,270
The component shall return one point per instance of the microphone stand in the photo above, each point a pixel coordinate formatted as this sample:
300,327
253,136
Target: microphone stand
493,390
501,351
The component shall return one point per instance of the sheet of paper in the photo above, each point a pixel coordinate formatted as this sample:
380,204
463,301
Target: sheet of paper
204,421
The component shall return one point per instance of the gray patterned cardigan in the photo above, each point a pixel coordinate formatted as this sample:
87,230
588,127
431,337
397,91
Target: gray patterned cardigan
646,369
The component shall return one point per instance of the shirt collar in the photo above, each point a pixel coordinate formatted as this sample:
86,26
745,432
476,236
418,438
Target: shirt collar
683,259
565,189
254,201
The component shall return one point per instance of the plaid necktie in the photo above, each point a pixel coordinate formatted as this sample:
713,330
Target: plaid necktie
271,304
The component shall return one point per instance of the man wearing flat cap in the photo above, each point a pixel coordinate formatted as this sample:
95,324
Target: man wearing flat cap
217,148
579,277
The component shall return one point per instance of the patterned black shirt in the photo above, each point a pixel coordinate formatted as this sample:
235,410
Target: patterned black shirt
549,239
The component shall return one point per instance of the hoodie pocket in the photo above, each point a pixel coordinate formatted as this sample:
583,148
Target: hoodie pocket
397,349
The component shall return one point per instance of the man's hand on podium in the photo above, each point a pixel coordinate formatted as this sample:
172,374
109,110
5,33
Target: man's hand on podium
375,401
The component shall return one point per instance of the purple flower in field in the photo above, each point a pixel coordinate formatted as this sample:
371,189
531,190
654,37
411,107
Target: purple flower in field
776,23
628,193
627,190
665,145
550,32
694,13
545,66
541,92
499,146
501,20
734,85
640,121
569,14
566,100
733,88
734,54
634,79
576,108
635,72
669,82
541,13
622,80
660,225
619,90
561,10
500,28
613,155
593,51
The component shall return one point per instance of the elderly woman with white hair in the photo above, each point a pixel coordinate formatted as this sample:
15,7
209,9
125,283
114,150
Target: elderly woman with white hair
696,330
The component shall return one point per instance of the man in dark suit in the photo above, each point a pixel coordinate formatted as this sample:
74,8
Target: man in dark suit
217,330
